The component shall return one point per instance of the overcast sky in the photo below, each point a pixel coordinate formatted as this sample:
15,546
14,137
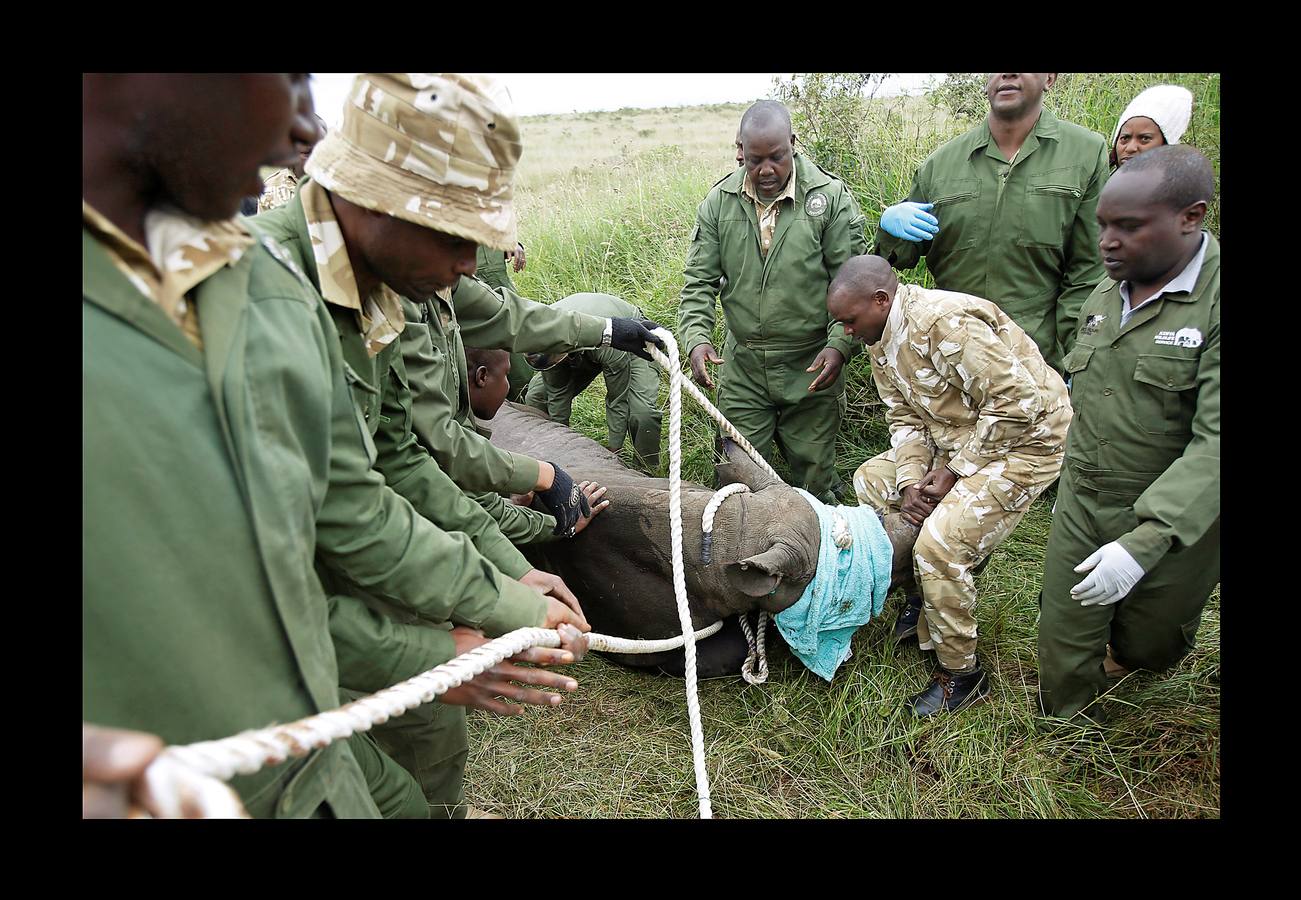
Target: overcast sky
589,92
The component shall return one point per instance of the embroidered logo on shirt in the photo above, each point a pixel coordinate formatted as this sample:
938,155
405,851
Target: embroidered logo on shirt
1184,337
815,205
1091,324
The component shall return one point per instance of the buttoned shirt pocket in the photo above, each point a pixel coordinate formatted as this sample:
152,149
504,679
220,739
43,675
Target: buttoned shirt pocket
1051,199
1164,397
954,203
1076,362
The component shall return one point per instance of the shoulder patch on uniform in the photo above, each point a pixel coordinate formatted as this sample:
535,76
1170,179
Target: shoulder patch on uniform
282,256
695,232
815,204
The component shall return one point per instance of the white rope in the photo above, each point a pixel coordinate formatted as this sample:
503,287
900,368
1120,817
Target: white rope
186,779
756,655
671,366
670,362
755,668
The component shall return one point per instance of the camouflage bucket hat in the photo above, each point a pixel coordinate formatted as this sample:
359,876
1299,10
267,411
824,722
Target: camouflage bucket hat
434,149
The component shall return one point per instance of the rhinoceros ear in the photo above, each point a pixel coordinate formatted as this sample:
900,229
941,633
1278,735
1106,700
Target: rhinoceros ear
760,575
738,466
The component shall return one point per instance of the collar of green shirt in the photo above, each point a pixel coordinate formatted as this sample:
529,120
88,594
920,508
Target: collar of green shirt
381,316
982,138
805,177
1183,283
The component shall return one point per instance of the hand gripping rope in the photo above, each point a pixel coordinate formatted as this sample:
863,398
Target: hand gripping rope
187,779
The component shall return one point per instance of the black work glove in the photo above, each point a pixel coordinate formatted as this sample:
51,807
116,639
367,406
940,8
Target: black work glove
631,335
564,500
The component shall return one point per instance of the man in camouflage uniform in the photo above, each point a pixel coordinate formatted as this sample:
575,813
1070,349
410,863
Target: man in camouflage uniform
632,385
1005,212
768,239
977,430
1139,505
364,245
281,184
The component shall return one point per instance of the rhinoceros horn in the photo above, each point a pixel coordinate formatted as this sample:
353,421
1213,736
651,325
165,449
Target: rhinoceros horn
737,466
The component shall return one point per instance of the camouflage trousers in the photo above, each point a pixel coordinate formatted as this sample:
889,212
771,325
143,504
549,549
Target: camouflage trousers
973,518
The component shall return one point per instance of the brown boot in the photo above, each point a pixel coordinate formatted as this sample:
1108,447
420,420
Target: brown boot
474,812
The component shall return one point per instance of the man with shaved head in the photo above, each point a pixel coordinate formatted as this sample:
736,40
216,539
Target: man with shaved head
1134,551
977,430
769,238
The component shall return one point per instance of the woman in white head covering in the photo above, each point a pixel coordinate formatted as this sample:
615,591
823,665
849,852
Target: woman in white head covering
1154,118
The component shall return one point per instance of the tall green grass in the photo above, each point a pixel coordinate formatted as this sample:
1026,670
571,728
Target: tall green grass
798,746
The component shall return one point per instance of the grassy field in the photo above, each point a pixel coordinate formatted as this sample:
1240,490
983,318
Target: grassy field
607,201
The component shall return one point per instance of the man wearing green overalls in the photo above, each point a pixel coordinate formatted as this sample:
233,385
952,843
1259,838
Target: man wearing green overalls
1005,212
778,229
1134,551
632,385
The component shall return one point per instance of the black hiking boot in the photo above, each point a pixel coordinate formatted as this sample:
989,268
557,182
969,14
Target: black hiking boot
951,691
906,625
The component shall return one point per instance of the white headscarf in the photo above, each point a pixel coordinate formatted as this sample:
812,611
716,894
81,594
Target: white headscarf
1168,105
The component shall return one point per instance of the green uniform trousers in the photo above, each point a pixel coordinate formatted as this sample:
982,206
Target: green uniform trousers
394,791
765,394
1152,627
415,767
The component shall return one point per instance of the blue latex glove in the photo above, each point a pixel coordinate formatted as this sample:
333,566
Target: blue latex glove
910,221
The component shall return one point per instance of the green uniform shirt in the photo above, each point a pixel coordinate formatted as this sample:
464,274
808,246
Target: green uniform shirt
777,301
433,349
1147,403
1022,234
373,651
203,473
615,366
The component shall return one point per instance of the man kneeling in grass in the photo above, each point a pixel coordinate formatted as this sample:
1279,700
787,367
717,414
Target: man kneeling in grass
977,430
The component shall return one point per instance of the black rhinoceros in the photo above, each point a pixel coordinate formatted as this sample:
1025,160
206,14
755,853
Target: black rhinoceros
764,547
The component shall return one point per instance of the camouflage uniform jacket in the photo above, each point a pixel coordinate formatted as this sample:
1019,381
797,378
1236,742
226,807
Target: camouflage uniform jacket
433,349
1021,234
959,376
280,187
1147,406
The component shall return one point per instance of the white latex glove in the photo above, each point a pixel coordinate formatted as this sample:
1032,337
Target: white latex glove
1114,575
